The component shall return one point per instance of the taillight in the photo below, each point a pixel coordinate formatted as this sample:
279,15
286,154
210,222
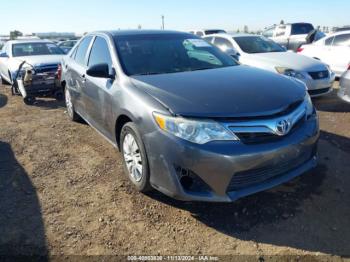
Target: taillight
300,49
59,72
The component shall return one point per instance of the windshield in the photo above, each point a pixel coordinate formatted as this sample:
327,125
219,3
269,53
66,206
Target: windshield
257,44
168,53
33,49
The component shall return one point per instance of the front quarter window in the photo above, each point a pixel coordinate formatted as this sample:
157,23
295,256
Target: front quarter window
81,53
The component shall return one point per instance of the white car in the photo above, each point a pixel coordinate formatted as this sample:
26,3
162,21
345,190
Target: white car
204,32
333,50
258,51
41,55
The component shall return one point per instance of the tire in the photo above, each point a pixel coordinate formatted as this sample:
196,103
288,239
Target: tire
29,100
59,95
141,180
73,116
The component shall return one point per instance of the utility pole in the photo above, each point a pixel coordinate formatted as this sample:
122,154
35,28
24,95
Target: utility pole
163,27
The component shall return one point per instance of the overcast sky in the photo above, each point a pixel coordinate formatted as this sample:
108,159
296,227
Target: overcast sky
88,15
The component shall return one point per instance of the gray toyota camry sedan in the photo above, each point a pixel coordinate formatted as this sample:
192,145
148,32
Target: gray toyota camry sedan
188,119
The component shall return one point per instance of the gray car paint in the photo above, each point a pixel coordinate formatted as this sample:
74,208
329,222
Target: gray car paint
228,92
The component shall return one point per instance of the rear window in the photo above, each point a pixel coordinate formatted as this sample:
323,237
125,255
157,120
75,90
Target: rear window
301,29
34,49
212,32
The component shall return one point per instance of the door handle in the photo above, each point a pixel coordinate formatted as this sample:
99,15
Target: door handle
83,77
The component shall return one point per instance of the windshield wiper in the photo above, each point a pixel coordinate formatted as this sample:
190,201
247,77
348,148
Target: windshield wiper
147,74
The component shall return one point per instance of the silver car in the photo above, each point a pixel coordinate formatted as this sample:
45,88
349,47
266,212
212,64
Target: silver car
344,83
189,120
258,51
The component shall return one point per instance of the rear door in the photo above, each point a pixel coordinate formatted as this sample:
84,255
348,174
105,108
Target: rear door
97,90
340,53
281,35
76,75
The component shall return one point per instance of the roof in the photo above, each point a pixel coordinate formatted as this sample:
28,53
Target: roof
340,33
140,32
231,35
28,41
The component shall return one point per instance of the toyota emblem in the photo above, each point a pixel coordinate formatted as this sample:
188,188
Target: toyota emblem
282,127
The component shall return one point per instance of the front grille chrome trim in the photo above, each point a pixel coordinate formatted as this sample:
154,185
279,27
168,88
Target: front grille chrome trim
269,126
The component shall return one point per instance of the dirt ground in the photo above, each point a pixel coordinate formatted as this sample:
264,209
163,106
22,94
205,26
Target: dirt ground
63,191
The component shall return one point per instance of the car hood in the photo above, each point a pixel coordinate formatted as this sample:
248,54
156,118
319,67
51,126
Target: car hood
238,91
284,59
36,61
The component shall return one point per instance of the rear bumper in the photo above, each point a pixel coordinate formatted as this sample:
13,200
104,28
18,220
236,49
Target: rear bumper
214,165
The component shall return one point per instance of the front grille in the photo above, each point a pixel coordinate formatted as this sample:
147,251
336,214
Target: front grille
319,91
319,75
257,138
250,178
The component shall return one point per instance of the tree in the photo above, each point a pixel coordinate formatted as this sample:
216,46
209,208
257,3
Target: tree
246,30
15,34
139,27
238,31
282,22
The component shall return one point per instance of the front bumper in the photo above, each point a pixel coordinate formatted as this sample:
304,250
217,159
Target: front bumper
319,87
216,164
344,91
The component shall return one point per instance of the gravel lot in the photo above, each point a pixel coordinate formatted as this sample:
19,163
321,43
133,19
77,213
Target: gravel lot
62,191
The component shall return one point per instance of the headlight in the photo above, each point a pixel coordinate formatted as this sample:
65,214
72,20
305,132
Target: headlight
195,131
309,106
290,72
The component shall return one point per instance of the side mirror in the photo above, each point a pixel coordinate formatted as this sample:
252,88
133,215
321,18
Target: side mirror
4,55
232,52
101,71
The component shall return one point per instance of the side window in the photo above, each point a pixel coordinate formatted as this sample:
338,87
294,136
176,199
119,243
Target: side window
199,33
209,39
81,50
329,41
100,53
268,32
281,31
342,40
223,43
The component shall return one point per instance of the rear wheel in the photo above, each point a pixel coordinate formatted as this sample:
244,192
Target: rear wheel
70,107
135,158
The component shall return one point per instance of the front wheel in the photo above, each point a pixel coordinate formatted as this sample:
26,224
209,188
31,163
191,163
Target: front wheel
135,158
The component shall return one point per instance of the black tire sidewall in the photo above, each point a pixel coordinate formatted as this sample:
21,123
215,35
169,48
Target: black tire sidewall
144,184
